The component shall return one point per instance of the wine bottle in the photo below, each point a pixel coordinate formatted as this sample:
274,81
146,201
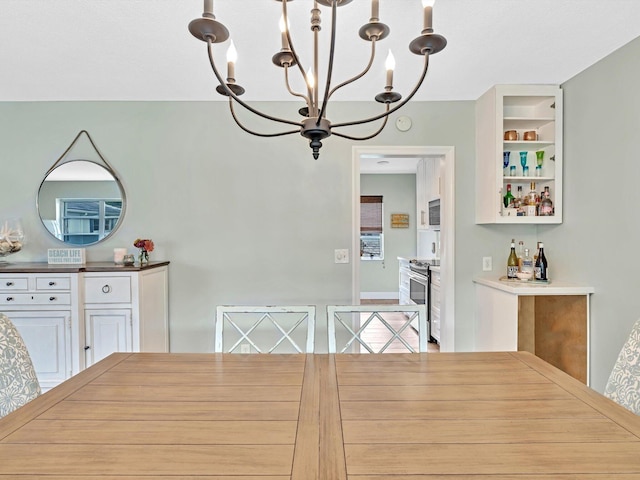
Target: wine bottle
541,267
508,198
512,261
546,205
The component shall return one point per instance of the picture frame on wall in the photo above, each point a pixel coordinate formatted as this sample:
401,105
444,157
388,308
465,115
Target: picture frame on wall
399,220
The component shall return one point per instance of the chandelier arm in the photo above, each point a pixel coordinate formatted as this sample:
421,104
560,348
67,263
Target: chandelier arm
349,137
361,74
289,89
257,134
397,107
332,48
295,54
236,98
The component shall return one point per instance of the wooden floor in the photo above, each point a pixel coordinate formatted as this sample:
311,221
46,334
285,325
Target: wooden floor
377,334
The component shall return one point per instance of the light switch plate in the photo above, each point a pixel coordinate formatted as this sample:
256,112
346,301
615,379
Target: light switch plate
341,255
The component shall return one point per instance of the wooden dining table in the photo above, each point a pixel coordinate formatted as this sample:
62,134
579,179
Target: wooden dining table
446,416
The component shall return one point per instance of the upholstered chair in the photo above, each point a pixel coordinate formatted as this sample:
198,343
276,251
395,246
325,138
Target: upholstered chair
623,386
18,381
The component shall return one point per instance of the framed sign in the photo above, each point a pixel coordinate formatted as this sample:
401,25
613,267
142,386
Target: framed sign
399,220
73,256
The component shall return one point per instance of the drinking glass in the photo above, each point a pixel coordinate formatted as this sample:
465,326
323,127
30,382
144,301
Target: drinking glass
523,160
505,159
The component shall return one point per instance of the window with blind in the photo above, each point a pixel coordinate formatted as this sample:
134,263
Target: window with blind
371,227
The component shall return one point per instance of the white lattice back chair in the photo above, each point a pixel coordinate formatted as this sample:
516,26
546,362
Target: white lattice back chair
357,322
265,329
623,386
18,381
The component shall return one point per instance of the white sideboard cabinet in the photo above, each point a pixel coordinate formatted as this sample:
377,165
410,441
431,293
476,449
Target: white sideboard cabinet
551,321
533,115
73,316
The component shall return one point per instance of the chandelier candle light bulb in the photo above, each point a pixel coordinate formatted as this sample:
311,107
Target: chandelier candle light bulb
390,65
428,15
232,58
375,10
311,81
283,33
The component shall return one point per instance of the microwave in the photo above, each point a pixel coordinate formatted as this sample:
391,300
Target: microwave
434,214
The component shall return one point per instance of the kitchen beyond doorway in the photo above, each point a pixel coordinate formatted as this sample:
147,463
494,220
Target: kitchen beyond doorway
378,335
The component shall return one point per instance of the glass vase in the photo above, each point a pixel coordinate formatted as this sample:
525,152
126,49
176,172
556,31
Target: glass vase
11,238
143,257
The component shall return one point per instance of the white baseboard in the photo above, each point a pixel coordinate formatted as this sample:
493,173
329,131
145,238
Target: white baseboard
379,295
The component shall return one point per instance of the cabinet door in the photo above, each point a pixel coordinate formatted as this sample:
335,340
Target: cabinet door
47,336
107,331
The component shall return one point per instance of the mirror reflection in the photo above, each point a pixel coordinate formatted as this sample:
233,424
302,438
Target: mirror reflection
81,202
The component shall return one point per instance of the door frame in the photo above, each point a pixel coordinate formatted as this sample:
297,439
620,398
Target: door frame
447,227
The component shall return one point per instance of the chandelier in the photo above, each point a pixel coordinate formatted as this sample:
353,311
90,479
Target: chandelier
314,125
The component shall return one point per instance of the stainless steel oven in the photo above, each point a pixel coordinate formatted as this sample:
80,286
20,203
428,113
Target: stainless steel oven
419,288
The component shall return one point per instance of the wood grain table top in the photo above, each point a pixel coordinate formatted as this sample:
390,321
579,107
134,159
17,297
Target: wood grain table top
445,416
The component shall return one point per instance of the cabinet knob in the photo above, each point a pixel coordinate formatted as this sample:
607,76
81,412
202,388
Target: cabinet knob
51,284
9,299
106,289
87,347
9,284
51,299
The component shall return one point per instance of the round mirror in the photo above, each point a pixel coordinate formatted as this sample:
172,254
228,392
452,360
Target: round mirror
81,202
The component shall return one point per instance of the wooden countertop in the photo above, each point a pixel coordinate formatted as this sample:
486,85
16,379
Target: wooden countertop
43,267
320,417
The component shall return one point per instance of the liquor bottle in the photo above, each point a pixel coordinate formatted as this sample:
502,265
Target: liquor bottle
527,263
546,205
520,254
512,261
541,266
508,198
532,201
519,202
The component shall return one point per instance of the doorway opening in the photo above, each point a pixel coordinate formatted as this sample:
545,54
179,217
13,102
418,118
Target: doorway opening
397,158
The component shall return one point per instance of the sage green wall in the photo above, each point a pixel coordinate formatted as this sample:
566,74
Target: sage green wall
596,244
251,220
399,196
243,220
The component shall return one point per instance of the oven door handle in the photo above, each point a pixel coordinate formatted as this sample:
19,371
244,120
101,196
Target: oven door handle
419,278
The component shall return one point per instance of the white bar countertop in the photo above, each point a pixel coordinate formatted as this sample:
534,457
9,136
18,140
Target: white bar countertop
519,287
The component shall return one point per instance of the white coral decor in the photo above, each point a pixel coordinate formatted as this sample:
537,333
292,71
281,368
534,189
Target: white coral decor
11,237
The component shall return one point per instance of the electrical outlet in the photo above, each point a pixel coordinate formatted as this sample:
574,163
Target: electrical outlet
487,264
245,348
341,255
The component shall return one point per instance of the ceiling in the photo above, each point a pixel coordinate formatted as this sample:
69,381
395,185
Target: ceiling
141,49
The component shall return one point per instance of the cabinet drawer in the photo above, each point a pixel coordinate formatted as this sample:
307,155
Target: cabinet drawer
14,283
53,283
21,299
107,289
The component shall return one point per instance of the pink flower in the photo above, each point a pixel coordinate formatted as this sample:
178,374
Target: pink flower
144,244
